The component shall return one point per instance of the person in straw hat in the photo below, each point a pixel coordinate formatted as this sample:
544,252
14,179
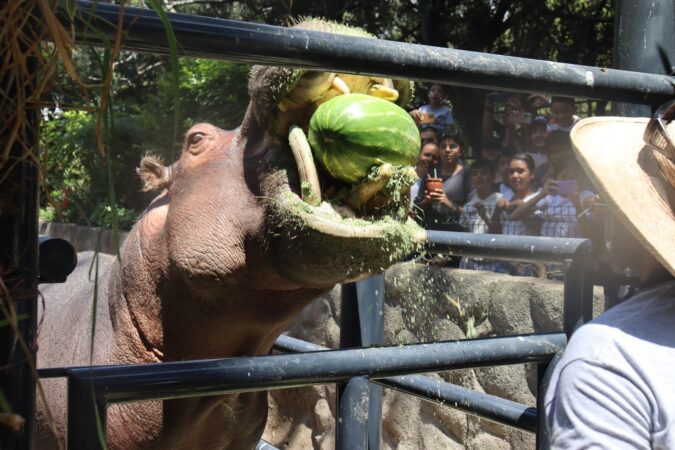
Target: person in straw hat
614,386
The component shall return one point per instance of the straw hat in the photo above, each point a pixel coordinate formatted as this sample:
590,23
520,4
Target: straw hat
635,178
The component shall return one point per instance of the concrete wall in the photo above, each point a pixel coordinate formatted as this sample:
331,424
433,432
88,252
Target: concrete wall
84,238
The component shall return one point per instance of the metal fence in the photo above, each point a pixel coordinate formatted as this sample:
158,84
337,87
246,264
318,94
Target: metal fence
262,44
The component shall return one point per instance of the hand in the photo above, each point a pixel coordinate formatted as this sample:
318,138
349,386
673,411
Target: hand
550,187
480,209
416,115
438,196
501,205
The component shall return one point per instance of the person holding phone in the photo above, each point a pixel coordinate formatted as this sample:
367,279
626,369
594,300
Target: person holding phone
560,200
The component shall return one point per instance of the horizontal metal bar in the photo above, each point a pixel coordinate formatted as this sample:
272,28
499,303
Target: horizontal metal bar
498,409
213,377
271,45
504,246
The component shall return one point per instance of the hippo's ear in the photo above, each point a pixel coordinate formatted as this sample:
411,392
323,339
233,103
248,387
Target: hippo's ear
154,173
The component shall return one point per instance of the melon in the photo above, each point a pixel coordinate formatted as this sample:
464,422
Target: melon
351,133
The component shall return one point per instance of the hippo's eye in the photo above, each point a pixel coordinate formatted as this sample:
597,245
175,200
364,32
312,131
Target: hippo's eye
195,138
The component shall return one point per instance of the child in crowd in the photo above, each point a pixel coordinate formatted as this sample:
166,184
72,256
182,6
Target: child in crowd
427,160
521,180
434,114
563,114
536,140
440,209
429,134
503,171
478,212
490,150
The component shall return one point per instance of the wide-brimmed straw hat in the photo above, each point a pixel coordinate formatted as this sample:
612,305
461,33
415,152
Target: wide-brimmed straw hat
633,166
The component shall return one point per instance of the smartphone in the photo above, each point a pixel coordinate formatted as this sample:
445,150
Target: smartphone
519,117
567,187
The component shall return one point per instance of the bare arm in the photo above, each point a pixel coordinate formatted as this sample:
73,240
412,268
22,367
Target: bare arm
526,209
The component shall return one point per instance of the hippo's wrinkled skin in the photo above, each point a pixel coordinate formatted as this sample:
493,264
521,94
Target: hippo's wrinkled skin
218,265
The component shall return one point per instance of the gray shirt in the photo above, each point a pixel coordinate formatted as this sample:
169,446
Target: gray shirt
614,387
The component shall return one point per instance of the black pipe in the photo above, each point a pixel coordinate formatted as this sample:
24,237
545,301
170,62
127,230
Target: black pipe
488,406
266,44
510,247
351,431
643,42
57,259
212,377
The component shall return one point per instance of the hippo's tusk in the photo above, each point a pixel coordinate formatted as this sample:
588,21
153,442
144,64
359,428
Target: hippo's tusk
383,92
371,186
340,85
309,179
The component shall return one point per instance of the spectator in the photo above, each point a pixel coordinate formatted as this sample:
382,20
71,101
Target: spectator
478,212
503,171
558,203
536,141
429,134
434,114
490,150
558,148
563,114
613,387
427,160
521,180
441,208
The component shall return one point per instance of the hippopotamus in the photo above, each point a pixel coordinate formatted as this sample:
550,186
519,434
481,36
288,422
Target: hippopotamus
220,262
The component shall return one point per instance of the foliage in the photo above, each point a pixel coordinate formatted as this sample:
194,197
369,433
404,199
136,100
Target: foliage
75,172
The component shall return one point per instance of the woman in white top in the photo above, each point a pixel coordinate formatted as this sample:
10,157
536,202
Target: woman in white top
521,180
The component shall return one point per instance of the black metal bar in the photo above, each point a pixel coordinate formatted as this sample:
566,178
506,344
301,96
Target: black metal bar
19,231
643,42
488,406
362,325
86,411
352,415
213,377
266,44
578,293
522,248
370,298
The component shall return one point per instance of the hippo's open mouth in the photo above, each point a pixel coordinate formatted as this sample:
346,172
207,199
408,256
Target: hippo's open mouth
364,228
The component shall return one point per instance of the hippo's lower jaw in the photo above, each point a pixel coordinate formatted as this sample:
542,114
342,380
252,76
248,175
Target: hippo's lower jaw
315,246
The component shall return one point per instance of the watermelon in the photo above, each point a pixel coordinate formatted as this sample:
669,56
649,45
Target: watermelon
351,133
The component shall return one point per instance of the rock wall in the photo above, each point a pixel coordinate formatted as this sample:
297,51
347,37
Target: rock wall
424,304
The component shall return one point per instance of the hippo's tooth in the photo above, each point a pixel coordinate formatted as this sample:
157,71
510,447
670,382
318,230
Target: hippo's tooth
340,85
309,179
371,186
383,92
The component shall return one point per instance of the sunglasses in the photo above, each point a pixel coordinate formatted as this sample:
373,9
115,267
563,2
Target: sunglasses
656,133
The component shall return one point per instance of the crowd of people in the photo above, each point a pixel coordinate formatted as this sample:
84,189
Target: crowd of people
522,180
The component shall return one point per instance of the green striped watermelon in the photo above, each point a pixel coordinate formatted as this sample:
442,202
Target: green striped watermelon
352,133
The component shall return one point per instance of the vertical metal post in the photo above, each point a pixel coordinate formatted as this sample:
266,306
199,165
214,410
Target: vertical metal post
643,42
362,325
86,411
352,432
19,231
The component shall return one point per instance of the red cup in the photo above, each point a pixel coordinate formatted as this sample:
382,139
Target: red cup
433,184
